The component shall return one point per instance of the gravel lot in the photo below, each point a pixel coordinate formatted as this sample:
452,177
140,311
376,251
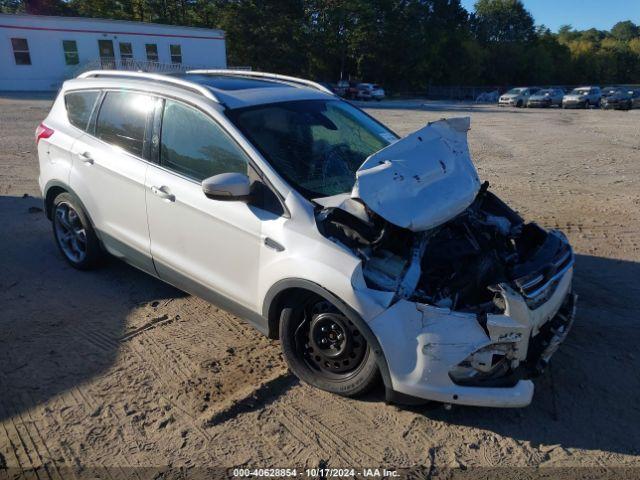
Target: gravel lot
113,368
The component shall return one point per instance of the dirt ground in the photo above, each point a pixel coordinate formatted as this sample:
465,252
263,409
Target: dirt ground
113,368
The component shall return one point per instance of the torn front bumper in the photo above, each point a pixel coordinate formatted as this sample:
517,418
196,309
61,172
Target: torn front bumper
423,344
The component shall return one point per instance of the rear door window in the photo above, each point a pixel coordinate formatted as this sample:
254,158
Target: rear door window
80,106
195,146
123,118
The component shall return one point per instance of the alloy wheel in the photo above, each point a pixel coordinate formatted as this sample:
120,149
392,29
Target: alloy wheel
70,233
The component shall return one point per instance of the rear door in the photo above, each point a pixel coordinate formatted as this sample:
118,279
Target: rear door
204,246
108,174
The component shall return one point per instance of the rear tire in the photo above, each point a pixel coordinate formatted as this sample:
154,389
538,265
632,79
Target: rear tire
325,349
74,235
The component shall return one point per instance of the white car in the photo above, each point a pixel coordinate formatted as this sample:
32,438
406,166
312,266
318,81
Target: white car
368,255
582,97
517,97
370,91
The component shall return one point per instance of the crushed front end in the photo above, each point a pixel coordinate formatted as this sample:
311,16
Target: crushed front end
474,306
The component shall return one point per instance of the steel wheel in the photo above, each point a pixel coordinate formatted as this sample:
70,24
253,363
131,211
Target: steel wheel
70,232
331,345
327,348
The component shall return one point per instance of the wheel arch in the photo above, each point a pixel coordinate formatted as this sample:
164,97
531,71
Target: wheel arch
284,290
54,188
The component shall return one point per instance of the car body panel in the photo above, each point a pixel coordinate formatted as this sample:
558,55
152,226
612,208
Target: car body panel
54,153
109,183
423,343
422,180
219,252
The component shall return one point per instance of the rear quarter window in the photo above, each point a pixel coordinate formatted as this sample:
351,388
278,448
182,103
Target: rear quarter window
79,107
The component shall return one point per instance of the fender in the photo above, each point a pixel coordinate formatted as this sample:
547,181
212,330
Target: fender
57,183
269,312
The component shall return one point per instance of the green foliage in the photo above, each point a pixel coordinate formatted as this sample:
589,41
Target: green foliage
404,44
503,21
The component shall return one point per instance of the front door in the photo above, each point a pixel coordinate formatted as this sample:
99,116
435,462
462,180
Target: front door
204,246
107,54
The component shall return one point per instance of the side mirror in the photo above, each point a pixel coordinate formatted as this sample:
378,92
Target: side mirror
227,186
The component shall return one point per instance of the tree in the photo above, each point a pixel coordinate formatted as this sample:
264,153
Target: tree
625,31
503,21
45,7
404,44
11,6
265,35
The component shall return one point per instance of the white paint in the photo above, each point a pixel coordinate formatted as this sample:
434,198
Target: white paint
424,179
205,246
200,46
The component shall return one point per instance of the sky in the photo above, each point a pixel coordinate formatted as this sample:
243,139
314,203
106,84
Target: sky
581,14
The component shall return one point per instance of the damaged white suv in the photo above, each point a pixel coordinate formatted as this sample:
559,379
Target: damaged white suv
367,255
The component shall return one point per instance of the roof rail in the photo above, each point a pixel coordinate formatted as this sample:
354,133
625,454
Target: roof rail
266,75
194,87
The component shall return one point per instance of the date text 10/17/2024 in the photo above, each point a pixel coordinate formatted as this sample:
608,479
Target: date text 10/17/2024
314,472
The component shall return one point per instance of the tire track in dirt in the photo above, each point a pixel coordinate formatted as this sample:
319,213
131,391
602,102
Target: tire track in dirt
31,447
356,450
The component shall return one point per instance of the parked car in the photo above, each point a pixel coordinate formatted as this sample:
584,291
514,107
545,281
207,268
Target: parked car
517,97
618,98
367,255
547,97
370,91
582,97
635,99
342,88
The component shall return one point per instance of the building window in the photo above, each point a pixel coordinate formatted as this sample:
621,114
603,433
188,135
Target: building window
176,53
152,52
21,51
126,52
70,48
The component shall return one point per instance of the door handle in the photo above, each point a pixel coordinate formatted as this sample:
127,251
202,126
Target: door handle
164,193
86,158
271,243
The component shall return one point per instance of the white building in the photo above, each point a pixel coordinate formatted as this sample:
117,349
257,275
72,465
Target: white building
39,52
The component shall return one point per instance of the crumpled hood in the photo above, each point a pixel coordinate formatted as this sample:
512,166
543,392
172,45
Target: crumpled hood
422,180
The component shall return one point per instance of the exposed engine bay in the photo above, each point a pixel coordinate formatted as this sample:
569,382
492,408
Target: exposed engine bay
456,265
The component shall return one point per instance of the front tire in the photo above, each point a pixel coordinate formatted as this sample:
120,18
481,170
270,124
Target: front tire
325,349
74,234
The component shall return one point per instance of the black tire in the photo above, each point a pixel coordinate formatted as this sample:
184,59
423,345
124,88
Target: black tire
349,369
519,104
81,254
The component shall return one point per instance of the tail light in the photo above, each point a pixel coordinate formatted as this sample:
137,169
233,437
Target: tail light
43,132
